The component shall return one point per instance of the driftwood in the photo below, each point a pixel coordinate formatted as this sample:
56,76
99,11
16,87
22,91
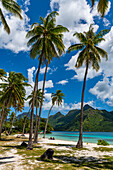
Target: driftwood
47,154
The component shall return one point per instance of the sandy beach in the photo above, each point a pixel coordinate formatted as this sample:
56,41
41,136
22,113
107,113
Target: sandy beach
64,151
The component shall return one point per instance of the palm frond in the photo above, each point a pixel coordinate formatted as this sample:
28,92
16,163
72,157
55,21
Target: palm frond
12,7
6,26
81,37
75,47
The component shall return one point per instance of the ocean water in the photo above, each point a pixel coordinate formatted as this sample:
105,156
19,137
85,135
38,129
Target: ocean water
90,137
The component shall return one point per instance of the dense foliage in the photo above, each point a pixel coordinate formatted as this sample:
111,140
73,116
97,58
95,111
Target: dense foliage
18,125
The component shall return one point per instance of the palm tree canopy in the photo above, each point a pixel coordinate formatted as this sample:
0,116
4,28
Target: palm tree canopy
90,53
46,38
13,8
14,88
38,96
102,6
57,97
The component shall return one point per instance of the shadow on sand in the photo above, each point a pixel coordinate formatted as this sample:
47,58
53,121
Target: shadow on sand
4,162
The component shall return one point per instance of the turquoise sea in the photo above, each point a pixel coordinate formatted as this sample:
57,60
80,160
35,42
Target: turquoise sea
90,137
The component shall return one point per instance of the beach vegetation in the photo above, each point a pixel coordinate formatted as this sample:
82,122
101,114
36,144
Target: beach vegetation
102,142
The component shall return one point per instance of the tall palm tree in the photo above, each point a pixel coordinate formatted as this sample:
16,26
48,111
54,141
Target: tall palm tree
13,93
90,55
13,8
102,6
45,41
56,98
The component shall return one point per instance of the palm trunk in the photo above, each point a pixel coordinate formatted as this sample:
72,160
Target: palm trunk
36,137
12,125
25,123
5,122
47,121
36,120
2,118
80,142
32,111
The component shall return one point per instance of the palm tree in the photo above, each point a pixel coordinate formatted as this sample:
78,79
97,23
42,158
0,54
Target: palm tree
102,6
38,96
46,42
13,8
90,55
56,98
13,93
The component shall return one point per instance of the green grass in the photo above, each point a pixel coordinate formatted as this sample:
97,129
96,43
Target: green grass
103,149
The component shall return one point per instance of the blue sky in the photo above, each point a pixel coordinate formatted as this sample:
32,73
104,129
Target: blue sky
76,16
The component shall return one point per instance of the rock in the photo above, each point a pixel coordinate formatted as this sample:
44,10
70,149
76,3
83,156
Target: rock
47,154
18,136
24,144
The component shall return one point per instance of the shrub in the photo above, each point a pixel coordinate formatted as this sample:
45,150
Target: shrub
102,142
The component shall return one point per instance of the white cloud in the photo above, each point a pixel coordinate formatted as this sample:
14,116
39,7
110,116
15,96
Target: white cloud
63,82
42,70
48,84
16,40
104,90
64,107
106,22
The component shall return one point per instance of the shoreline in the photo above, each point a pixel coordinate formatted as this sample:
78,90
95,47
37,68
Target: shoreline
65,142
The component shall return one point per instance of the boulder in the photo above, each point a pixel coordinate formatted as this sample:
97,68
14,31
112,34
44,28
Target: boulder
47,154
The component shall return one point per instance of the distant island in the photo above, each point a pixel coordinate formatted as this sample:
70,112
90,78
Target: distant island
94,120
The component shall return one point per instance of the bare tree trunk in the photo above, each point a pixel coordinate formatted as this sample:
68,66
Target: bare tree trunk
36,137
25,122
12,124
47,121
80,142
32,111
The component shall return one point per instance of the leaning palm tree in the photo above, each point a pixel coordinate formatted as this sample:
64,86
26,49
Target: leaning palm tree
13,93
46,42
102,6
56,98
12,7
90,55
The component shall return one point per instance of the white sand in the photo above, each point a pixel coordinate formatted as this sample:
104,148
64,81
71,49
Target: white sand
89,154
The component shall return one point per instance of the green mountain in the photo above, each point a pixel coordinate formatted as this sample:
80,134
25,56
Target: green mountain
24,114
94,120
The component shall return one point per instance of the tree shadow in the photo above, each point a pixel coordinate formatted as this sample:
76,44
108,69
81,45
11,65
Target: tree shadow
87,162
19,146
4,139
3,158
